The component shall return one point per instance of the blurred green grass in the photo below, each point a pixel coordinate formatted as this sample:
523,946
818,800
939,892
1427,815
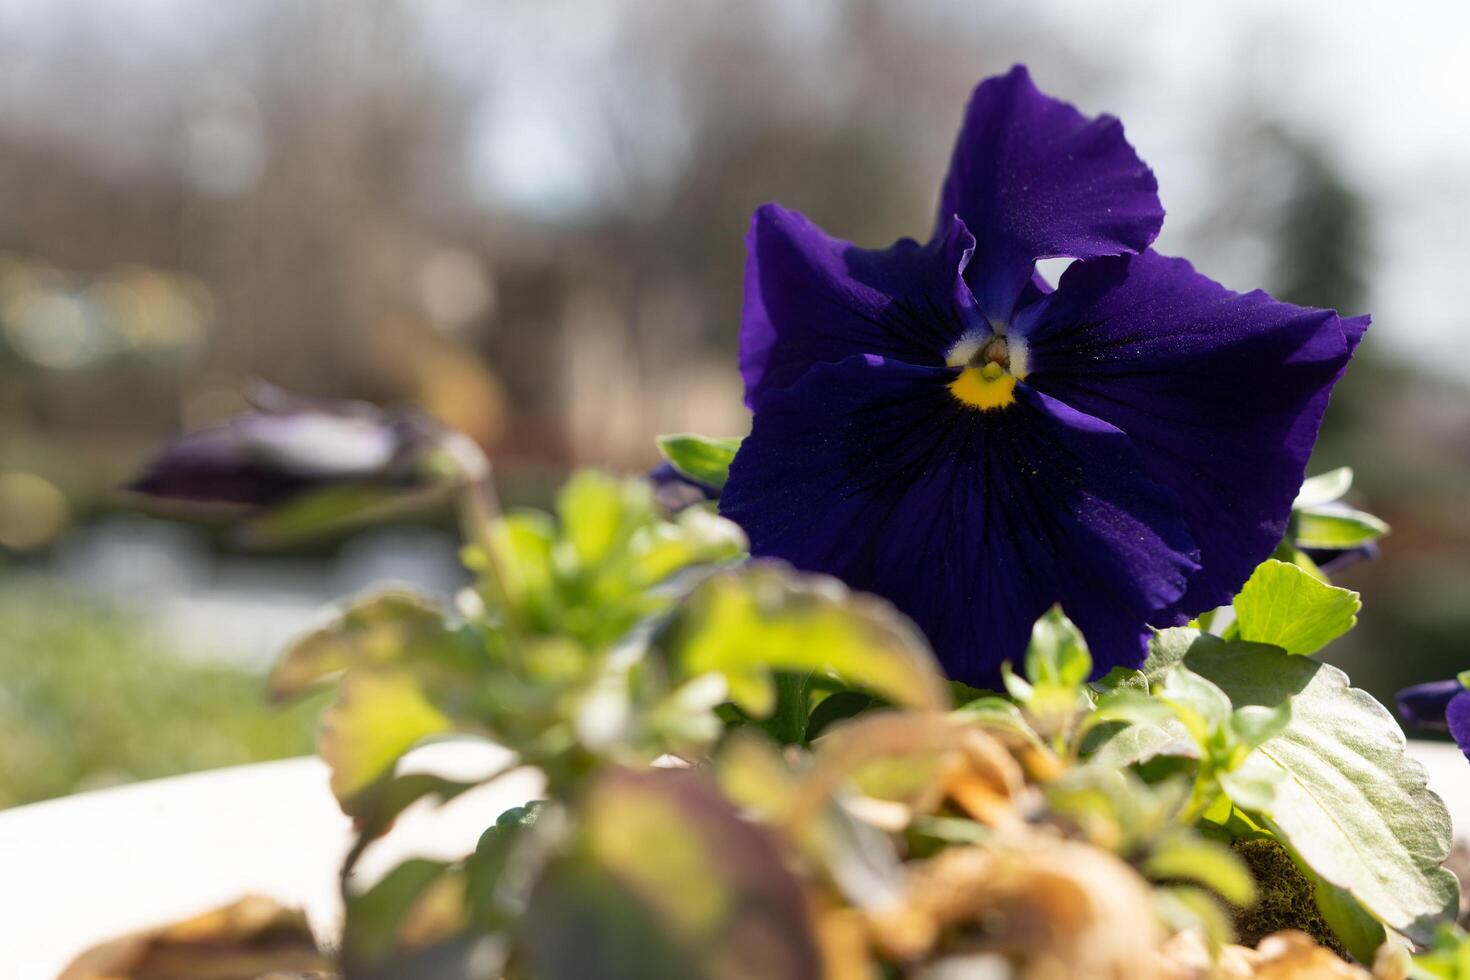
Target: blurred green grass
91,697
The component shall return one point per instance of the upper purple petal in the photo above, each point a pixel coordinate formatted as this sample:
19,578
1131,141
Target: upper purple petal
811,298
971,522
1034,178
1222,393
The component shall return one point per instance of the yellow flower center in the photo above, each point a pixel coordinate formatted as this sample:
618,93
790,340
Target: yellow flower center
991,368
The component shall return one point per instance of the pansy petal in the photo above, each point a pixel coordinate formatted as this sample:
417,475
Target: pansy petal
1222,393
1034,178
1424,705
1457,716
972,522
811,298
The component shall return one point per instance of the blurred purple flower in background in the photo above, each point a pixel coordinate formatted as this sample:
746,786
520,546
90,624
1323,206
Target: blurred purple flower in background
1444,705
293,446
935,424
675,491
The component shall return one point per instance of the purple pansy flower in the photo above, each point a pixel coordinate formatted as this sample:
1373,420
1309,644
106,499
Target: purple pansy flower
1439,704
935,424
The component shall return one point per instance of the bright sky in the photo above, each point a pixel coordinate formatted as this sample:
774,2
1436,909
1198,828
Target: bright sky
1387,85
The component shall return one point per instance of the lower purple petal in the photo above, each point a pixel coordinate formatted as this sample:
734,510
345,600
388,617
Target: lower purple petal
1222,393
971,522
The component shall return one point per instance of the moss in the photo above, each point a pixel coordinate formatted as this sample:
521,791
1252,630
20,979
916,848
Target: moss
1284,897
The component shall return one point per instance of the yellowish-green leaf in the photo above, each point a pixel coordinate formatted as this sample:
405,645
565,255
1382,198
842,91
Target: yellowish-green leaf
1286,607
1205,862
599,512
379,629
700,458
379,716
1324,488
666,880
749,622
1335,528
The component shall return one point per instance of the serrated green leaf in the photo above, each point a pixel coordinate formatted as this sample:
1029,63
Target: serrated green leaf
700,458
749,623
1283,605
1343,794
1166,648
1122,678
1344,528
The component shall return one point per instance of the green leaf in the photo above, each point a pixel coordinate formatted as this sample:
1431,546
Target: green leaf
599,513
523,543
1339,789
667,881
1352,924
1448,959
1141,742
1346,528
380,715
375,916
1255,723
994,711
1057,654
1285,606
1189,858
1185,908
838,707
334,509
751,622
1324,488
788,722
1166,648
1200,705
700,458
388,627
387,799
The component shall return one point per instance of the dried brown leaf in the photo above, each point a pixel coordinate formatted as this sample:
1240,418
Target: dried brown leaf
1057,908
248,939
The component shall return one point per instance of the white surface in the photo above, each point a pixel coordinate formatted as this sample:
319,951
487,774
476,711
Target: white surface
78,870
89,867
